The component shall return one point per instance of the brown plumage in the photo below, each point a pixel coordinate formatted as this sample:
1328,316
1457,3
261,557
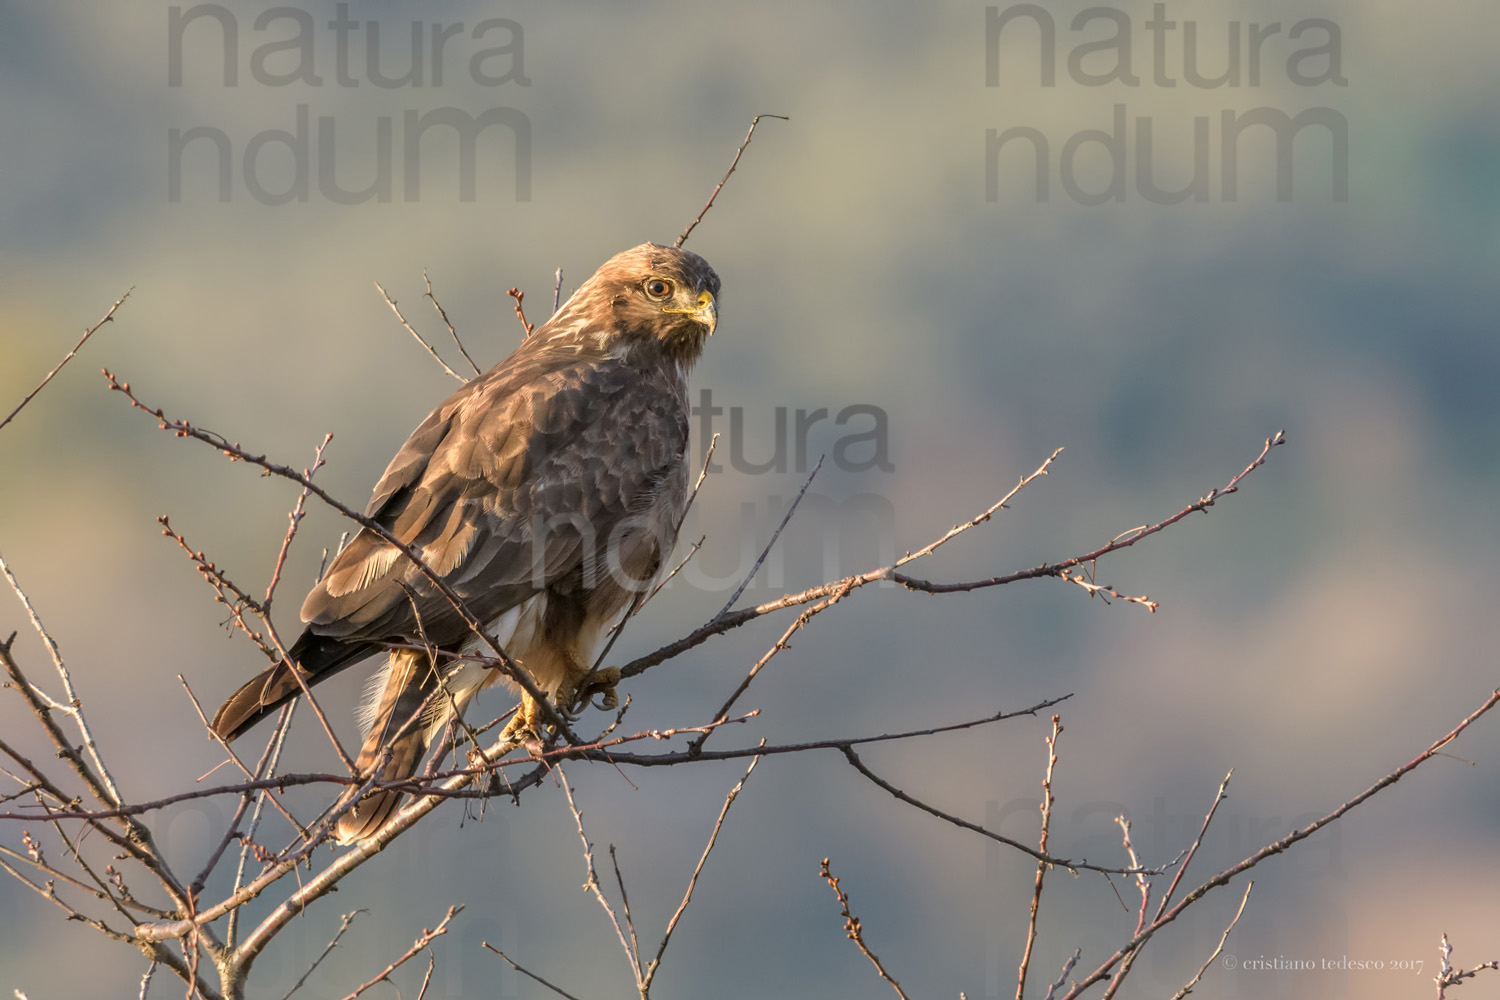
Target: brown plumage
545,493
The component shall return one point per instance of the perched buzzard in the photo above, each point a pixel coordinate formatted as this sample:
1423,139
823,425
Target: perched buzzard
546,493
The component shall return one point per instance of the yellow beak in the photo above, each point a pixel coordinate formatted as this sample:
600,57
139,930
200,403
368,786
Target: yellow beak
708,311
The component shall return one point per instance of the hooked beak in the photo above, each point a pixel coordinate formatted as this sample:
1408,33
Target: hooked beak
708,311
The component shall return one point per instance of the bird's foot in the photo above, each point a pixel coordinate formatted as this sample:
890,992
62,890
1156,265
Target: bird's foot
527,727
596,682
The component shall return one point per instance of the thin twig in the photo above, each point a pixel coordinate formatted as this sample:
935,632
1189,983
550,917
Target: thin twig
1063,975
718,187
1144,885
855,931
518,295
74,706
774,536
736,619
592,884
108,318
444,314
723,622
348,919
299,511
1277,847
273,757
693,881
557,291
1041,867
224,745
635,944
392,303
1071,866
428,936
427,976
458,777
782,643
527,972
1187,859
1449,976
1188,988
137,840
224,589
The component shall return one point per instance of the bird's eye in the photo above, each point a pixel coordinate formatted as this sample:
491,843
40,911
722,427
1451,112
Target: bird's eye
658,288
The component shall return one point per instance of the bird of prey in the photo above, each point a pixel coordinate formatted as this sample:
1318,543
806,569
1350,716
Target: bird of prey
546,493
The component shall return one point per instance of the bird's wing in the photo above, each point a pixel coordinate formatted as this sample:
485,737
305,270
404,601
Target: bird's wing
508,487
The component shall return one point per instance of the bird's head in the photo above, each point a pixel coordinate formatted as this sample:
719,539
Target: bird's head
661,298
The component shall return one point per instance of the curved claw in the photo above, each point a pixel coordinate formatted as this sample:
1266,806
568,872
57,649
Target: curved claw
600,682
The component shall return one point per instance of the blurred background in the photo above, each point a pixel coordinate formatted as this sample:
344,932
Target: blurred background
967,297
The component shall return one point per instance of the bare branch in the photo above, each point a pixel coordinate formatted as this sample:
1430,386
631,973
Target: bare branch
444,314
347,919
792,509
527,972
1449,976
1144,885
1188,988
1277,847
1061,976
635,944
74,706
146,979
718,187
272,758
137,840
295,518
392,303
855,931
693,881
1072,866
518,295
592,884
782,643
422,942
1208,818
1041,866
735,619
108,318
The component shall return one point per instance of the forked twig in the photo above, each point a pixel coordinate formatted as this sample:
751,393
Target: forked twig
1277,847
1449,976
73,706
592,884
427,937
1063,975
